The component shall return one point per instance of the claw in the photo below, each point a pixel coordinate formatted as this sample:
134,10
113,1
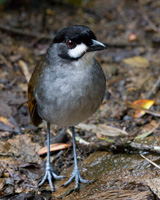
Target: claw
78,179
49,175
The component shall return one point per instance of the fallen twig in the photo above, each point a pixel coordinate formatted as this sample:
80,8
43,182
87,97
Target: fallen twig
6,61
145,16
78,138
25,33
132,146
153,163
144,147
153,90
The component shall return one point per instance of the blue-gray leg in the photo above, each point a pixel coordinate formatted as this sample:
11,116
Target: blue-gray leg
49,173
76,172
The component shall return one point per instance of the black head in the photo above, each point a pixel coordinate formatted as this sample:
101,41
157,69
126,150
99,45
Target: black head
75,41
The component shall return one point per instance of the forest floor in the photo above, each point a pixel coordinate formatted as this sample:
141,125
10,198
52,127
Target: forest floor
111,145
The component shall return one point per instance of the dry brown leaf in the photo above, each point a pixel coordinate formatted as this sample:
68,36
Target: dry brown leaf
24,69
6,121
54,147
154,185
2,183
103,129
137,61
23,86
29,165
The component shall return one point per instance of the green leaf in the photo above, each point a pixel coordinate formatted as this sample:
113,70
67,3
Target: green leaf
143,135
108,140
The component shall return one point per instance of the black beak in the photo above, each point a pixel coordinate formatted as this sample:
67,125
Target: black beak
96,46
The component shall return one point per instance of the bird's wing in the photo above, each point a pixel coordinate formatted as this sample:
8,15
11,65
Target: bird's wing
32,104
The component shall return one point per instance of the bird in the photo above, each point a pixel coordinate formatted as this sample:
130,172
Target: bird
66,88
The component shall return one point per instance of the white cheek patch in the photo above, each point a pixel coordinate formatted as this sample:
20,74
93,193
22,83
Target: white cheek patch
78,51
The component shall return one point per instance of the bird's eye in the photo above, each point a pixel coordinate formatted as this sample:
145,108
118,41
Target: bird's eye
71,44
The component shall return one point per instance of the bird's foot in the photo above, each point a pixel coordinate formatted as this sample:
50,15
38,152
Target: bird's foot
78,179
49,175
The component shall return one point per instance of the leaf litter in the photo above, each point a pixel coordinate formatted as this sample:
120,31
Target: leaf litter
131,65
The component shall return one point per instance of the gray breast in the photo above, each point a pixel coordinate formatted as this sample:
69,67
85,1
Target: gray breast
70,94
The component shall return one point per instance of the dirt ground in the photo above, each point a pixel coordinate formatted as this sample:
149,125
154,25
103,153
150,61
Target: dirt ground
111,142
